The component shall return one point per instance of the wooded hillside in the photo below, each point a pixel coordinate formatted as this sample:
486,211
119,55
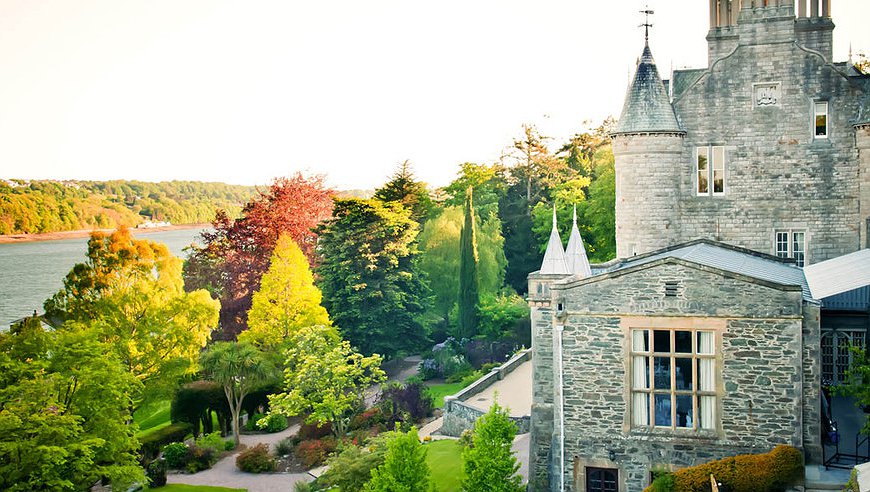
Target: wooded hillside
51,206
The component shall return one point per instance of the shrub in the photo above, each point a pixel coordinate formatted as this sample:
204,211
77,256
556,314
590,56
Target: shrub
312,453
251,424
212,441
768,472
176,454
284,447
156,473
200,459
256,460
229,445
313,431
152,442
373,417
351,468
408,403
429,369
274,422
404,466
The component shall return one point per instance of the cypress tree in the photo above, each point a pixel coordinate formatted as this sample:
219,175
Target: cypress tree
469,278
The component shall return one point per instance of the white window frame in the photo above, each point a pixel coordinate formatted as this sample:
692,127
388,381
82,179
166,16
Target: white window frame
821,108
645,391
785,245
715,163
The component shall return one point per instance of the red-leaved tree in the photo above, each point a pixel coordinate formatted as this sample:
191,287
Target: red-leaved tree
237,252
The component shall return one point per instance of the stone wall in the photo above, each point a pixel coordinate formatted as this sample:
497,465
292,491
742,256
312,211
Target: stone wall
778,176
862,139
460,416
762,400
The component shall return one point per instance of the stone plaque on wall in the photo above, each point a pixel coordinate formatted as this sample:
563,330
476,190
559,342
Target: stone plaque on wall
766,94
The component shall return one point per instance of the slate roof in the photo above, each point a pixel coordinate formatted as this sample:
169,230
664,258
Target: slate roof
728,258
554,258
838,275
683,79
575,253
647,107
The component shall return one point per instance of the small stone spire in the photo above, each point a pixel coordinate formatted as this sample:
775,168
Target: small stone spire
575,253
554,258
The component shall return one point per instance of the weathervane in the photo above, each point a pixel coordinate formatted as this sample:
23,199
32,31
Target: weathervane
646,25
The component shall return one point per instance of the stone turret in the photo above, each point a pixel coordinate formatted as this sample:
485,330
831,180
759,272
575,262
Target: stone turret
647,146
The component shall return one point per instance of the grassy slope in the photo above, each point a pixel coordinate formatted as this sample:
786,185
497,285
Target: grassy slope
152,417
445,461
439,391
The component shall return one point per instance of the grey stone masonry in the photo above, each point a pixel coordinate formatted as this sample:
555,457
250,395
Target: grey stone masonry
764,379
756,100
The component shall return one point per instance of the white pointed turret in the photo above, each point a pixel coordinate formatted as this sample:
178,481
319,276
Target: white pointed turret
554,258
575,254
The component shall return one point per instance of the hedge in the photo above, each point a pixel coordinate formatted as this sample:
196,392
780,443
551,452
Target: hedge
770,472
152,442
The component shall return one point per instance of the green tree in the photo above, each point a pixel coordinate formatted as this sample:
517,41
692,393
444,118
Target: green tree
598,212
403,187
324,378
439,242
130,293
404,468
64,411
469,279
287,300
489,463
369,276
239,368
487,181
566,196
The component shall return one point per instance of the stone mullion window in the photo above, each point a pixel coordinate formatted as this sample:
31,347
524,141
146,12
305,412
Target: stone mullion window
661,394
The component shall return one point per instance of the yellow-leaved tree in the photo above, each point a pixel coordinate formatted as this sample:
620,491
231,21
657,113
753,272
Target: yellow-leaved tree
287,300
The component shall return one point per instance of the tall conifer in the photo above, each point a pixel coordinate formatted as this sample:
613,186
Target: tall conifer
469,277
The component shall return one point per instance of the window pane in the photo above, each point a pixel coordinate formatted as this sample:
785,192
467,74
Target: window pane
683,342
662,341
706,376
663,373
663,410
685,417
707,412
718,182
684,374
640,340
705,342
640,373
782,244
702,170
798,247
640,409
821,120
718,169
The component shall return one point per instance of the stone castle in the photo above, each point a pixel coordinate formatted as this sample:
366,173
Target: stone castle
706,337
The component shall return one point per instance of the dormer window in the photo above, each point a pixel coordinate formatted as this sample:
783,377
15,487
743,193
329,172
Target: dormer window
710,170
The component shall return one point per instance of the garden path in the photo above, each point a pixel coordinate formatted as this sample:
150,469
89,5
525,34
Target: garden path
225,474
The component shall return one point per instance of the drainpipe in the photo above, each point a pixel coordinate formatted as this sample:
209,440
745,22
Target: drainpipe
559,374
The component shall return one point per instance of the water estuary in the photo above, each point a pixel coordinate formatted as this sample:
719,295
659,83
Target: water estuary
31,272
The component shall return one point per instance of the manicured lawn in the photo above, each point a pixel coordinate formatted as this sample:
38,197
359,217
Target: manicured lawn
177,487
152,416
445,462
439,391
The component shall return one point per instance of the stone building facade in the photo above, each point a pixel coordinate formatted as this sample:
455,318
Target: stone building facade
702,340
767,148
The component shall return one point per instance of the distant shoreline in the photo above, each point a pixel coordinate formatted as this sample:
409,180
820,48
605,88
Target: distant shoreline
84,233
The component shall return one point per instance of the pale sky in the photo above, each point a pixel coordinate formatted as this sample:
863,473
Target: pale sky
243,91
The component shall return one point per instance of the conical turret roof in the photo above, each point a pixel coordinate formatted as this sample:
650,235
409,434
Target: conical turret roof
554,257
575,253
647,107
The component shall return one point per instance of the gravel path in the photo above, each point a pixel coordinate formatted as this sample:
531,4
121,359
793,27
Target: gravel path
225,474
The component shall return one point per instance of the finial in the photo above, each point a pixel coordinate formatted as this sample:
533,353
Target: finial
554,214
850,54
646,25
575,214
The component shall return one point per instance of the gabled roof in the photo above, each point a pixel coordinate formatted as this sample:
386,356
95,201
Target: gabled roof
575,253
727,258
647,107
838,275
554,258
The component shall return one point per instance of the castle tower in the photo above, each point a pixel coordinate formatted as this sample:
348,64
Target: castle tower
647,146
